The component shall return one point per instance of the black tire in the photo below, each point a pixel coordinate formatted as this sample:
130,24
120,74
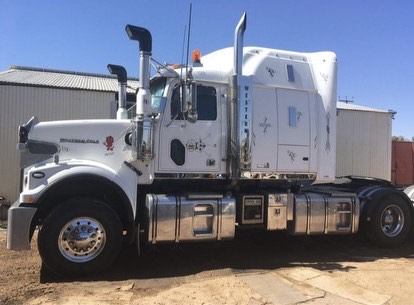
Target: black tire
80,237
390,221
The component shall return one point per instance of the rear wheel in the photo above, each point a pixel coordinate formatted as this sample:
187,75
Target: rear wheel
390,221
81,236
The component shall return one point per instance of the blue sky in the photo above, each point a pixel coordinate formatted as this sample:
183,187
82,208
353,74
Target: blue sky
373,39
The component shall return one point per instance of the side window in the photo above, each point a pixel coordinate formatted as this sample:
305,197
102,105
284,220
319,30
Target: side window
206,104
157,87
176,105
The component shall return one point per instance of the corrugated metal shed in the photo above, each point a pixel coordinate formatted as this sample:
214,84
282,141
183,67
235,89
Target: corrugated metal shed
363,141
50,95
28,76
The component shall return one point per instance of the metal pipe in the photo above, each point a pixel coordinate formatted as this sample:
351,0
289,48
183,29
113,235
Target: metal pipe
143,36
233,145
238,45
121,73
142,136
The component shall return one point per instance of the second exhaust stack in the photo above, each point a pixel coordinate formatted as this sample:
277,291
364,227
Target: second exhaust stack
120,72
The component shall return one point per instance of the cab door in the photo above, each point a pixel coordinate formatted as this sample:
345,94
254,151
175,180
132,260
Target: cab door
187,147
294,131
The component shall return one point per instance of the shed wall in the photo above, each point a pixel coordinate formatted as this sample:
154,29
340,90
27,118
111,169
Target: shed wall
19,103
364,144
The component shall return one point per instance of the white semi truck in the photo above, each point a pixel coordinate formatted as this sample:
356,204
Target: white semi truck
244,138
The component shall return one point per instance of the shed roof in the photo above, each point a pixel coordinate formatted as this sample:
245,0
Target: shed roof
18,75
351,106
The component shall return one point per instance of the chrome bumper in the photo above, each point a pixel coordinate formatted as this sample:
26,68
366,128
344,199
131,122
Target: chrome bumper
18,227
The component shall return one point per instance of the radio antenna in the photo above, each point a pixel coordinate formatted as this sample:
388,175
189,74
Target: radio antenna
188,42
182,53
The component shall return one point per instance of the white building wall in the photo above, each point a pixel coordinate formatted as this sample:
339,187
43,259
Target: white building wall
364,143
19,103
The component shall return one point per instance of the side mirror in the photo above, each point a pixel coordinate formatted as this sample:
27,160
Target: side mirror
189,101
184,98
192,114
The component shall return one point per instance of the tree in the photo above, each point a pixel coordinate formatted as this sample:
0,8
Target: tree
401,139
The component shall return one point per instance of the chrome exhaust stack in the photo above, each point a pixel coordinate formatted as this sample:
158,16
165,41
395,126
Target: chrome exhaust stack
236,145
120,72
238,45
143,122
144,38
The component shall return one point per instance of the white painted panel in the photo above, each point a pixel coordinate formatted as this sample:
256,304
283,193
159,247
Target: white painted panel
293,117
293,158
314,129
264,148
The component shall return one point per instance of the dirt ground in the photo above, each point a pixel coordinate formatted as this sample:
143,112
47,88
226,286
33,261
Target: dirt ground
254,270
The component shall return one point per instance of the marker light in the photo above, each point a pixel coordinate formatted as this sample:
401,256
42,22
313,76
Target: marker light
196,56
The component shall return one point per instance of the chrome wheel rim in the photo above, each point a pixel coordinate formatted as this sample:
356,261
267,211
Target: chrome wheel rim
392,220
82,239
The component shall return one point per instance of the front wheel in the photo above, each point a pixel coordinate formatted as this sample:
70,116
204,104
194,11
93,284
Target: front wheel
81,236
390,222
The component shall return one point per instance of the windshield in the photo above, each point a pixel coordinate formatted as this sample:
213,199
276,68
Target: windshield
157,86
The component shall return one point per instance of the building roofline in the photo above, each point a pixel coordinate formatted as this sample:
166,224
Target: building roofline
354,107
35,69
53,78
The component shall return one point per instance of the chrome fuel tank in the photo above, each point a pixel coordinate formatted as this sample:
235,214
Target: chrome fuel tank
190,217
318,213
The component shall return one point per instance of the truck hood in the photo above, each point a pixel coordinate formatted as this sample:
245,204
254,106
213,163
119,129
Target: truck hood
99,140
